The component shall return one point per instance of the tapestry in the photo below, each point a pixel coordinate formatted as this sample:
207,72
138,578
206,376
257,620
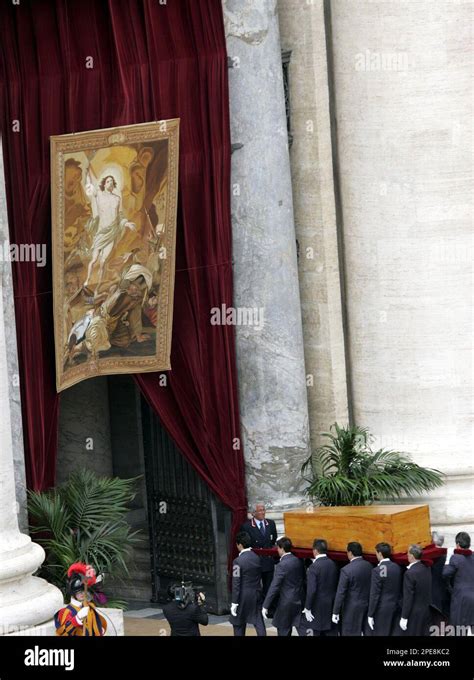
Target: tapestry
114,201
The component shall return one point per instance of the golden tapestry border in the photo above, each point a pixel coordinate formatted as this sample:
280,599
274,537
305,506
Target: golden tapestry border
93,139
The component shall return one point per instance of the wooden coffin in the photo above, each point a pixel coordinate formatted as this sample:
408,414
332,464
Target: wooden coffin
398,525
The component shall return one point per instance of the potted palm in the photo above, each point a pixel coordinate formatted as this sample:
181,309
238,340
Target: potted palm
84,520
347,483
346,471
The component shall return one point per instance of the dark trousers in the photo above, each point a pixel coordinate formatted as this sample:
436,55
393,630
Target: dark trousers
267,577
239,631
284,632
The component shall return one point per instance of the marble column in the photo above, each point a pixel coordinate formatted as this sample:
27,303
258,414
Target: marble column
270,357
25,600
403,97
303,33
12,363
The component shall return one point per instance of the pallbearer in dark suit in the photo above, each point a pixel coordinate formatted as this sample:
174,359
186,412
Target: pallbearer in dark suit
263,534
385,591
416,616
287,583
352,596
246,589
459,573
321,585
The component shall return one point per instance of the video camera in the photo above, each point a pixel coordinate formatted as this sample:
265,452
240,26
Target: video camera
185,593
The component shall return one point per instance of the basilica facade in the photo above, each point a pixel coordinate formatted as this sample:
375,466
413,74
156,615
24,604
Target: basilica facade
352,246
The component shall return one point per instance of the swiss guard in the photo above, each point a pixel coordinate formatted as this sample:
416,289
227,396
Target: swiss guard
80,616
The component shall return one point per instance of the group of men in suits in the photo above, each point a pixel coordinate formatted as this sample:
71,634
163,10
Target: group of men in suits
358,599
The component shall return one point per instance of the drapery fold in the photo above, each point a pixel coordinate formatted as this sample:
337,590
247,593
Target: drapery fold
82,65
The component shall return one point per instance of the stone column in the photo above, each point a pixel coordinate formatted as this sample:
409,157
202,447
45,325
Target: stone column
403,96
25,600
302,31
12,362
270,358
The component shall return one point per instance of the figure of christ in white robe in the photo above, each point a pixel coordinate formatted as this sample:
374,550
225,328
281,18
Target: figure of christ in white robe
109,222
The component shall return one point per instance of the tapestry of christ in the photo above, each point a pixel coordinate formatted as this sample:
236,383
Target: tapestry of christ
114,249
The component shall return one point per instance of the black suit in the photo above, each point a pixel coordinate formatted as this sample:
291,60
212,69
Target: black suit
385,591
417,599
247,593
185,622
352,596
263,540
287,583
321,579
460,575
440,592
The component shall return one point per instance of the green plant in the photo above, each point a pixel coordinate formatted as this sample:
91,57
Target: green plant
346,471
83,520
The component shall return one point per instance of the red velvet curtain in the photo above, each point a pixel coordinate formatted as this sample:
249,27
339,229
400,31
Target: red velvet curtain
150,62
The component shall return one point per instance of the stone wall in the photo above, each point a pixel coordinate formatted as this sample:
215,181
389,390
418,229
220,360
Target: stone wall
402,84
400,88
84,429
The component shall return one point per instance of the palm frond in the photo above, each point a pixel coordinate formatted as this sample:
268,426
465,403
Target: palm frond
94,500
345,471
84,520
49,512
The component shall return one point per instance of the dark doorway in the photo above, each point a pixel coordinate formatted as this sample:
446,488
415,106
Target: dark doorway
183,530
189,527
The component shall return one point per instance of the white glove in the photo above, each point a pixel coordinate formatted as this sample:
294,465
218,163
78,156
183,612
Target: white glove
82,613
308,615
371,622
233,609
403,624
265,613
449,554
335,618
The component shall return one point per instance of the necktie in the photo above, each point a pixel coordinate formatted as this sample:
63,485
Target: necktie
262,528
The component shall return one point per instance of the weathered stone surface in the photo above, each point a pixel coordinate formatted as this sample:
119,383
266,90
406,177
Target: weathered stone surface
16,423
403,93
302,32
84,429
270,359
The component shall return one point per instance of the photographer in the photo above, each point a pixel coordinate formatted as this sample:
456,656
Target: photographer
185,611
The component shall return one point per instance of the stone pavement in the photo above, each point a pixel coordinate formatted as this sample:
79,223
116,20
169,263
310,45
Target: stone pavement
147,619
